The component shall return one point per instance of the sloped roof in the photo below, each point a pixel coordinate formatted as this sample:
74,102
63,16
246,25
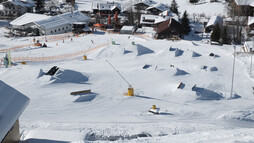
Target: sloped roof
146,2
170,23
250,20
214,20
20,3
63,19
243,2
159,6
106,6
152,19
12,104
28,18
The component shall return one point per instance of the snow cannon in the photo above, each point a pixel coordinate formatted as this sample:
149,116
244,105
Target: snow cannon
154,110
85,57
130,91
23,63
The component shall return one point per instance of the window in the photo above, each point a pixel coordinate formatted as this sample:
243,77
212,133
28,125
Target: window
66,27
59,29
51,31
55,30
63,28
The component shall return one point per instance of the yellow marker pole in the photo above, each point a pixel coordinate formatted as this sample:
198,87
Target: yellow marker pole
154,107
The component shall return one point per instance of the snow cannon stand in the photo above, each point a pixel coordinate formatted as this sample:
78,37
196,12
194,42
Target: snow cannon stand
84,57
130,92
154,110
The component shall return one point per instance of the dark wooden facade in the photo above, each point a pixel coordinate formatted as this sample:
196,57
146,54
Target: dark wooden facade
169,29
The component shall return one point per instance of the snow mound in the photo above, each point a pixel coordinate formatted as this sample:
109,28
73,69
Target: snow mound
243,115
69,76
213,69
206,94
195,54
180,72
108,52
141,50
96,137
41,73
178,52
86,98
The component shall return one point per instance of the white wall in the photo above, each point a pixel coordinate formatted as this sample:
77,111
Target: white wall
59,30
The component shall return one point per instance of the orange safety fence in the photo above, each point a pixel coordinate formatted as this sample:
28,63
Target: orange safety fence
57,57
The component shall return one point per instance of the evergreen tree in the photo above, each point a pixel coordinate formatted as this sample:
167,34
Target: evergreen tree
224,36
39,5
216,34
185,23
174,7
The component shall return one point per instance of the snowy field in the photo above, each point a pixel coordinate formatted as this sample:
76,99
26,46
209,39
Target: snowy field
201,110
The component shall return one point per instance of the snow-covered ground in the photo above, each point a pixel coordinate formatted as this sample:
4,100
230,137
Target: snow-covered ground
201,110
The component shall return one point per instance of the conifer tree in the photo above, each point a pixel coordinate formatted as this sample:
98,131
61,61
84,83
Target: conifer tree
39,5
174,7
224,36
216,34
185,23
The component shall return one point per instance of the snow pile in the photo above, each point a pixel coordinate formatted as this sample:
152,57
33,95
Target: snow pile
178,52
69,76
195,54
243,115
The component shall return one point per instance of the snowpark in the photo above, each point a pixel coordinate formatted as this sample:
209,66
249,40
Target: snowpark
190,81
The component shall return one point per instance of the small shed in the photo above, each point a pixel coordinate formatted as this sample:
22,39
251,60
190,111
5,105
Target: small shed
12,104
127,30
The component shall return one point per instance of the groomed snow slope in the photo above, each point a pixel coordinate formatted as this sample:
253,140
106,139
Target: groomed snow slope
200,111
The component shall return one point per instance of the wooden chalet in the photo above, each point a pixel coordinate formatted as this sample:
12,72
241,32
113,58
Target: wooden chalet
170,29
106,8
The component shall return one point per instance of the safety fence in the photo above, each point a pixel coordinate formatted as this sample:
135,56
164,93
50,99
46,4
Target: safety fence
58,57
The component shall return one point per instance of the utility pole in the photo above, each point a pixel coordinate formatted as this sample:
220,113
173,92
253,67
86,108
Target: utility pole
232,84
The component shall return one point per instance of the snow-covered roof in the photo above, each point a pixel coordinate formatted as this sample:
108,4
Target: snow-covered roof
19,3
252,4
146,2
63,19
159,6
106,6
214,20
243,2
152,19
12,104
250,20
28,18
127,28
